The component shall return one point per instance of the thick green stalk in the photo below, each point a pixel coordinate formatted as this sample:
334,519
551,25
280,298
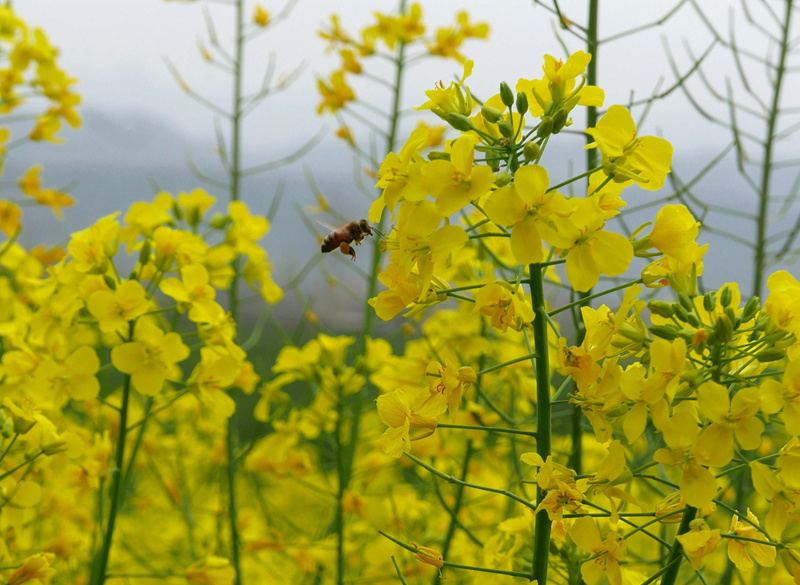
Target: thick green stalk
576,456
673,563
235,176
344,477
767,164
100,563
451,530
541,538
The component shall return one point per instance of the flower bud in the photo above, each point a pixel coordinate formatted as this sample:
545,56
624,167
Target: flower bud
723,329
772,354
686,334
503,179
559,121
467,375
685,301
531,151
762,323
661,308
458,121
545,127
219,221
110,282
693,320
709,301
506,129
667,332
752,307
506,94
438,155
630,332
726,296
490,114
522,103
680,313
144,253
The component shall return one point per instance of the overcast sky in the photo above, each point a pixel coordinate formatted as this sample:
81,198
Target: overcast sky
139,123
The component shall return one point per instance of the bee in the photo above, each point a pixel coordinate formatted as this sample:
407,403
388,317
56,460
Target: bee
346,237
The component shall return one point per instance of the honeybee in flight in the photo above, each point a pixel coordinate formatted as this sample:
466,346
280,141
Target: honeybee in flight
346,237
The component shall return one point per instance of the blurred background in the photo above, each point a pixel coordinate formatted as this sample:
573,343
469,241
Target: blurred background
140,128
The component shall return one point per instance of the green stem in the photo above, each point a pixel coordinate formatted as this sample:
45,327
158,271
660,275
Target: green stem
541,539
451,530
100,563
235,188
674,559
343,477
766,166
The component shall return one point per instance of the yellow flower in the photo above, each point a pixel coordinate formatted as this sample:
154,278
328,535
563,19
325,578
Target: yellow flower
191,291
763,554
74,377
151,358
699,541
456,182
114,309
507,306
34,569
195,204
260,16
395,412
30,184
626,157
400,175
211,571
534,213
211,377
10,218
606,554
335,93
455,99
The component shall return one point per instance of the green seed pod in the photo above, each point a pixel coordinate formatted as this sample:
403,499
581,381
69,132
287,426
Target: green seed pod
506,94
559,121
458,121
661,308
490,114
726,296
710,301
545,127
772,354
685,301
506,129
667,332
522,103
750,310
531,151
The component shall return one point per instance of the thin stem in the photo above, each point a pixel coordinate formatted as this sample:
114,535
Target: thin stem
541,539
100,563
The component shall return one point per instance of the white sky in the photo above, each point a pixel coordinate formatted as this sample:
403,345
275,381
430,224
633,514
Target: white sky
116,48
